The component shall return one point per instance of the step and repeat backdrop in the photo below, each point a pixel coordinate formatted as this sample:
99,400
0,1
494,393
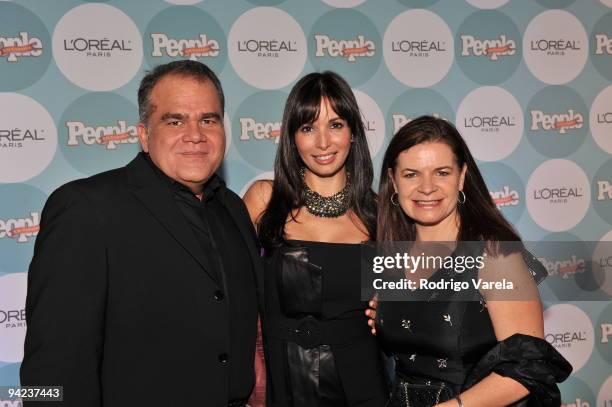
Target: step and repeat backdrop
527,82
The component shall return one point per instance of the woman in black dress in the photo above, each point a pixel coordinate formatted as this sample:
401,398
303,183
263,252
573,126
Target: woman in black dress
310,220
468,348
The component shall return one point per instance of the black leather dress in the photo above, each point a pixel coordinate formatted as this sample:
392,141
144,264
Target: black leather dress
319,348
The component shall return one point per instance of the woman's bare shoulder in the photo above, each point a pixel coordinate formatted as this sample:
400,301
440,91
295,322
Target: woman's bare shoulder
256,198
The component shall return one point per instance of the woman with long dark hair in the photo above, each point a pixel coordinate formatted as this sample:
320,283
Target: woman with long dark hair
311,220
474,348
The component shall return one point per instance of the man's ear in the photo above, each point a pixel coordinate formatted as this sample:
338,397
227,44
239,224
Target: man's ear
143,136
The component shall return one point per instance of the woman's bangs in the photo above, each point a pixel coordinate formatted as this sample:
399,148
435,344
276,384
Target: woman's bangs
308,109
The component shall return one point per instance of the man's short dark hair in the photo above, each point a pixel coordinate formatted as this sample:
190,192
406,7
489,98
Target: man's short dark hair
192,69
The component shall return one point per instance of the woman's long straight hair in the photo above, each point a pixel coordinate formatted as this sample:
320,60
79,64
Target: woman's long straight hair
302,107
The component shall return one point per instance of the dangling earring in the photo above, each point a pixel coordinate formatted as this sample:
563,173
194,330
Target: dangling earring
352,138
461,194
392,201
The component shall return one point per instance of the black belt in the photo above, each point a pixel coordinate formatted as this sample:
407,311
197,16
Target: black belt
309,332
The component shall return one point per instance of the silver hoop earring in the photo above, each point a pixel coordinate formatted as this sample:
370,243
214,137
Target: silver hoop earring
392,201
461,194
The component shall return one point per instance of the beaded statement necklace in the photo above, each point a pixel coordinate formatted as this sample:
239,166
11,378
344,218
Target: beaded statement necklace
326,206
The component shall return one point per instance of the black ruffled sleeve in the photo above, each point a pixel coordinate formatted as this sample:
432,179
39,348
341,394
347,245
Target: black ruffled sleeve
531,361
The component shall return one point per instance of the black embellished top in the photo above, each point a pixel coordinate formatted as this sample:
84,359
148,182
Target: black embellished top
444,346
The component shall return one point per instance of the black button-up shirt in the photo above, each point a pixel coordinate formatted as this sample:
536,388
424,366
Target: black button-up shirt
228,261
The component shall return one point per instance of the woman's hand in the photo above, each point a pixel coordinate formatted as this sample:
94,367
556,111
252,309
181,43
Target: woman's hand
371,313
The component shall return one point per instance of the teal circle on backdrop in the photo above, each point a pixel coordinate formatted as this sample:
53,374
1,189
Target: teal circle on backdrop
237,174
97,132
347,42
604,344
256,128
266,2
418,3
556,121
198,37
9,374
25,47
602,191
601,46
555,3
506,188
20,210
568,261
575,392
414,103
487,47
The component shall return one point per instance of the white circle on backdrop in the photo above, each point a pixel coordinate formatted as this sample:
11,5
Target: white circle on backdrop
603,254
373,121
268,175
418,48
558,195
607,237
184,2
227,125
601,119
604,398
267,48
487,4
97,47
491,121
570,331
343,3
28,138
555,47
12,316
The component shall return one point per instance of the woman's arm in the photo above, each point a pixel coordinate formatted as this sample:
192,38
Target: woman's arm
522,314
256,200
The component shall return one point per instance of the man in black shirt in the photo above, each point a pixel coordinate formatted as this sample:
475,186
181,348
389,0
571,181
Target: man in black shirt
143,286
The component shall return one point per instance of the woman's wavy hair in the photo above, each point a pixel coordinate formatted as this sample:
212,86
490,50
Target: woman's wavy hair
302,107
479,217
